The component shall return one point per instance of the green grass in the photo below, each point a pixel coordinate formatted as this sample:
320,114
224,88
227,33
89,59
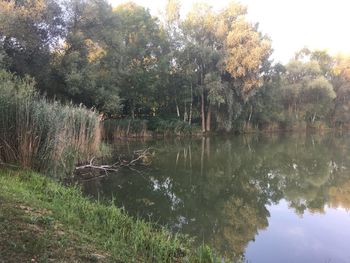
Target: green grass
44,221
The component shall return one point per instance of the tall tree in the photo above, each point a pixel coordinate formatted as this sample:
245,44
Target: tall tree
29,30
229,53
245,62
86,67
143,44
341,83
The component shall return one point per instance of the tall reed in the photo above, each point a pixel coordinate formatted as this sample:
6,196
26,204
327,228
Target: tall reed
42,135
138,128
125,128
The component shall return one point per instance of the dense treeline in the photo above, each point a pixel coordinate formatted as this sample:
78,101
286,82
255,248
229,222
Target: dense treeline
210,68
311,91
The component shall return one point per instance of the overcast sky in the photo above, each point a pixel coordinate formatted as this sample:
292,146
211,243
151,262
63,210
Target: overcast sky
292,24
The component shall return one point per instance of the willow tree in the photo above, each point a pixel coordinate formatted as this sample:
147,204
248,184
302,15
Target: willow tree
246,53
307,94
200,43
341,83
229,54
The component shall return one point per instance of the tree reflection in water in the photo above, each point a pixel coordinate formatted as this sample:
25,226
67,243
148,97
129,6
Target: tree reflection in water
218,189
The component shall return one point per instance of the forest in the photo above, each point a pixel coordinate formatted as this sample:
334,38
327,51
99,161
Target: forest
207,71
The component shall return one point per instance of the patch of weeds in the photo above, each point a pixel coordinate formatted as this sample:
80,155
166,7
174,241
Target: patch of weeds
43,220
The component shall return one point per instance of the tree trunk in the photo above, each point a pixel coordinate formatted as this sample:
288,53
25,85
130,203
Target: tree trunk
190,115
132,108
250,114
128,129
203,112
132,113
202,156
208,118
313,118
207,146
177,109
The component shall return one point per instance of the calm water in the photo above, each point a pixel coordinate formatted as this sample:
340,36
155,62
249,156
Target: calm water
269,199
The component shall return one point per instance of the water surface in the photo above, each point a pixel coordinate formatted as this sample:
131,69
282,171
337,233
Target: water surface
267,199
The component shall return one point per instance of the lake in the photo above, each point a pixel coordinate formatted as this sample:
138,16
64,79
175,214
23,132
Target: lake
262,198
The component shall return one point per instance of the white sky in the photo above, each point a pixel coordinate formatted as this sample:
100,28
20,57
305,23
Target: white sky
291,24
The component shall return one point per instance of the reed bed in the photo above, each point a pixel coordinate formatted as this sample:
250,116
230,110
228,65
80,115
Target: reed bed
154,127
125,128
45,136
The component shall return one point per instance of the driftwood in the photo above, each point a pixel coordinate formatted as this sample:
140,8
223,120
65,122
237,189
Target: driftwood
141,156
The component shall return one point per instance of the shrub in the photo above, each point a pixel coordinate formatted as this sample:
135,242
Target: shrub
172,127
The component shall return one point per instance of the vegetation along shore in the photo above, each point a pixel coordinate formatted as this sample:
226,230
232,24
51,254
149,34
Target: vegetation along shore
75,73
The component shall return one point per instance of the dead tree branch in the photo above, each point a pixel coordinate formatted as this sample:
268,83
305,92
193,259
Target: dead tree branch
141,155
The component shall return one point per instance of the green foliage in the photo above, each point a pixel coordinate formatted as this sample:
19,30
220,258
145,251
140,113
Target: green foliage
210,67
124,128
172,127
142,60
85,68
29,30
298,96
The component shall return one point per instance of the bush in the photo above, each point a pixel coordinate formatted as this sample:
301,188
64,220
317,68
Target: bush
172,127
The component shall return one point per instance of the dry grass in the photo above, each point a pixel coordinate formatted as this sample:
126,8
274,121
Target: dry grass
42,135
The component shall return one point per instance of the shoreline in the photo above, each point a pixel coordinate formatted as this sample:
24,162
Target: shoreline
42,220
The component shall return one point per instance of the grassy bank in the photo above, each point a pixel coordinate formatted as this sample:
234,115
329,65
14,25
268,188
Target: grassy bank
42,221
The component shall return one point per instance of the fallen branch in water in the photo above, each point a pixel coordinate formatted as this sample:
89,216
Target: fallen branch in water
112,168
142,155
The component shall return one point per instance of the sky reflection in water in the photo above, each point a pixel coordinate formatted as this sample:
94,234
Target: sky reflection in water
314,237
270,199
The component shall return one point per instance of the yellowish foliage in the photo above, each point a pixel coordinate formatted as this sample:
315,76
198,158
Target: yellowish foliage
202,20
246,51
31,8
129,6
95,51
243,48
340,196
342,67
173,10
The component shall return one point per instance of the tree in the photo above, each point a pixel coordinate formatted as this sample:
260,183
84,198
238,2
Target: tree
306,93
143,45
246,52
29,30
86,67
317,98
198,29
265,109
229,54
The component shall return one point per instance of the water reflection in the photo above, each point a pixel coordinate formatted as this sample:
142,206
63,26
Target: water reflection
220,190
